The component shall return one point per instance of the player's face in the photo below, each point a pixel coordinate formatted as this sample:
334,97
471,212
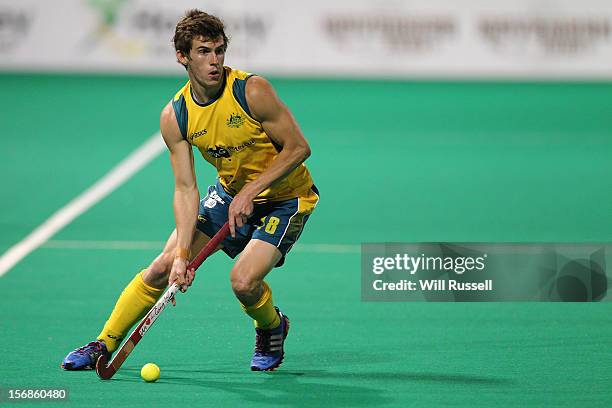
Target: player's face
206,60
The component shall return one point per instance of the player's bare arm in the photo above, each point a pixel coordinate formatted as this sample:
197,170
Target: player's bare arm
282,128
186,195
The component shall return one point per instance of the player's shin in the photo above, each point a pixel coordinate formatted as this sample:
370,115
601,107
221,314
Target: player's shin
133,303
263,312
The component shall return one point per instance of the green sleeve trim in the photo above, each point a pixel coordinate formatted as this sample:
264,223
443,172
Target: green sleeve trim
180,111
239,90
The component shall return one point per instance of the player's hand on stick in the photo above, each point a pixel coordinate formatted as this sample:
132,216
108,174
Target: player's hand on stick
240,210
181,275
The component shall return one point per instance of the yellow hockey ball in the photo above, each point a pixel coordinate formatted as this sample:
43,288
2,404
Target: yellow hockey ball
149,372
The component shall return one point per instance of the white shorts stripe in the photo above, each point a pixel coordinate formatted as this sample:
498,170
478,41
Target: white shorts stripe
280,241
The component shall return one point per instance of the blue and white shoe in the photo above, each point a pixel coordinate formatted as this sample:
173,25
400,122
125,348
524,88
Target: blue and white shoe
84,358
269,346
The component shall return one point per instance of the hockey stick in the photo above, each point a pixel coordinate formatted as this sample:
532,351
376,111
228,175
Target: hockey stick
105,371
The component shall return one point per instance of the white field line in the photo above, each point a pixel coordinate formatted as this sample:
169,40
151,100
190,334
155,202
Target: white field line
158,245
65,215
104,245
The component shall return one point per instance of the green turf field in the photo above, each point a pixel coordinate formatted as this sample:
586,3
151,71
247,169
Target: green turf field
395,161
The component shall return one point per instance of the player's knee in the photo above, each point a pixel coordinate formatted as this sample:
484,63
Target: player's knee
245,287
159,270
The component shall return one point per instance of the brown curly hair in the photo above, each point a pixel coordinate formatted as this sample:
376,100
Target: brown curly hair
194,24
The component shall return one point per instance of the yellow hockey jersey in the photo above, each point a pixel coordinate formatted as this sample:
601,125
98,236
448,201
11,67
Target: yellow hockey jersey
234,142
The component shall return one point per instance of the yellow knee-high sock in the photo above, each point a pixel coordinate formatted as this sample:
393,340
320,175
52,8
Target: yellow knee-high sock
263,312
133,303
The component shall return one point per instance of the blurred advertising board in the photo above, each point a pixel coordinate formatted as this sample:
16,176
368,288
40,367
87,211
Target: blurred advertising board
542,39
